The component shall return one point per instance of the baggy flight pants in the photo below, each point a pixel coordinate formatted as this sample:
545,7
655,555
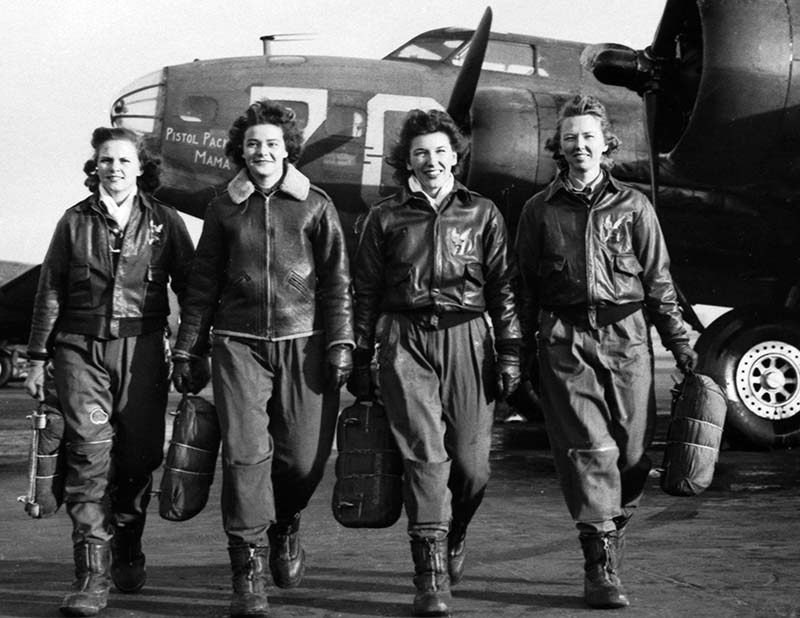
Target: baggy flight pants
599,408
113,394
437,389
277,418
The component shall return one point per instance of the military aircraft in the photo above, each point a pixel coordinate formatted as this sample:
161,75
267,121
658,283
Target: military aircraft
714,142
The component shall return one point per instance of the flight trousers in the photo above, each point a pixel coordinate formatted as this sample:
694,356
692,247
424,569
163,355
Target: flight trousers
599,407
437,388
113,394
277,415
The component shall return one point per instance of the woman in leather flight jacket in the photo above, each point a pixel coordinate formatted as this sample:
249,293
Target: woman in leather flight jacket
595,275
271,277
100,313
432,260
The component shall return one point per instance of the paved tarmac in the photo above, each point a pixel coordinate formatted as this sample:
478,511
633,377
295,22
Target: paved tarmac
732,551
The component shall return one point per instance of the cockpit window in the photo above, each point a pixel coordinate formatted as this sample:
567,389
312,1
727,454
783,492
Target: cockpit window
196,108
137,108
427,48
505,57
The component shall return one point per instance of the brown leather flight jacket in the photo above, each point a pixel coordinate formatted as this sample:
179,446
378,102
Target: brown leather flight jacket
573,254
271,267
86,287
454,260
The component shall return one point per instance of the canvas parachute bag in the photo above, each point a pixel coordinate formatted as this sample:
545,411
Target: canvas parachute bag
45,462
694,435
191,459
368,492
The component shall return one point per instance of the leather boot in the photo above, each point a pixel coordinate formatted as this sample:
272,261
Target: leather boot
127,560
602,587
619,542
249,567
287,560
89,592
456,550
430,576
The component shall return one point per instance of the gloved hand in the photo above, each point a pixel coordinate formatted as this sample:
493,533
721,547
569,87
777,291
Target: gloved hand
508,373
34,383
340,364
360,382
685,357
190,373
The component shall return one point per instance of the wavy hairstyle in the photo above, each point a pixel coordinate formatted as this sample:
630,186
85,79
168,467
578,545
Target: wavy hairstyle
419,122
151,165
265,112
584,105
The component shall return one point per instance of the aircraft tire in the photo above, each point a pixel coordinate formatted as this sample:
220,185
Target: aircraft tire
6,369
753,353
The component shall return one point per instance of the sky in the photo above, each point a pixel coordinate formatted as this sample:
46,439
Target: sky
64,61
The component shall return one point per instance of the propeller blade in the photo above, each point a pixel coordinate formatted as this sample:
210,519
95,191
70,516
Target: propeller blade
669,27
467,80
650,109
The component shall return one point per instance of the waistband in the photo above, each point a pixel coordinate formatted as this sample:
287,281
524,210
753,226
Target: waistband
430,319
578,315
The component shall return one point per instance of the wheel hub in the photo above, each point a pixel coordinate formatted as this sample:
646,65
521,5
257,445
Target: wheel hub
768,380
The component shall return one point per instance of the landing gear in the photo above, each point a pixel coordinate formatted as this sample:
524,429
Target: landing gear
6,368
753,353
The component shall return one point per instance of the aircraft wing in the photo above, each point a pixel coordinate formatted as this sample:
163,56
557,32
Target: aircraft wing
16,300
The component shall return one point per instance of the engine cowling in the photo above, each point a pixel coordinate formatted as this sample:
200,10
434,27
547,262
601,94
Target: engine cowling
728,91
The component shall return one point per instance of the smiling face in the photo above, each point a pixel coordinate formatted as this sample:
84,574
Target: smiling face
264,151
118,167
583,144
431,159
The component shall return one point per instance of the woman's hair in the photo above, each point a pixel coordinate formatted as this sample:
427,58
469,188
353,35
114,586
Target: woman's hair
265,112
150,165
584,105
419,122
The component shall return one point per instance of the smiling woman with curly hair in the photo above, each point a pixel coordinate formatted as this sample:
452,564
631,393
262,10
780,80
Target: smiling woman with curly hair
100,316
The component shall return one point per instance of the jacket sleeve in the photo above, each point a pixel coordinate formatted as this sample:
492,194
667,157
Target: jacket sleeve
528,264
333,273
500,273
661,300
203,288
368,275
182,252
51,292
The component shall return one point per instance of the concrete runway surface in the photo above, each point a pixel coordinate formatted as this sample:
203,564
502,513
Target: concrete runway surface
732,551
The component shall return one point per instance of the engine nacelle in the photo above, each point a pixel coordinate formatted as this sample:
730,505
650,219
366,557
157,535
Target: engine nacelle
742,117
509,127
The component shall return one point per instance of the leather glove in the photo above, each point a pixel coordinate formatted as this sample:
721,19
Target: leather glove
360,382
201,373
508,375
190,374
685,357
34,383
181,374
340,364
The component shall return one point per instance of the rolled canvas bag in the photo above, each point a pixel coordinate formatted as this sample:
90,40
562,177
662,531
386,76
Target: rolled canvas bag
368,492
191,459
694,435
45,462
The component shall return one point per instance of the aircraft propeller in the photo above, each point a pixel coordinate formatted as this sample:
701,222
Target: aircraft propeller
653,73
649,72
467,81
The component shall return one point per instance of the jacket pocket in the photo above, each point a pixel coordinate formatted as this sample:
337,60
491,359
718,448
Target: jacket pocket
155,299
626,277
472,288
298,283
549,265
237,287
80,286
